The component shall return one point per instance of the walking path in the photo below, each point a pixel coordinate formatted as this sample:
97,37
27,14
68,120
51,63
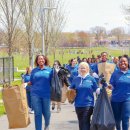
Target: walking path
65,120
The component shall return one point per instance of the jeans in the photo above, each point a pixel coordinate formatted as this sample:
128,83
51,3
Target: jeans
84,114
121,111
28,93
41,106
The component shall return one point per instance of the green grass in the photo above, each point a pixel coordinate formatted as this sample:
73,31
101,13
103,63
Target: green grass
17,82
2,109
17,75
95,50
22,61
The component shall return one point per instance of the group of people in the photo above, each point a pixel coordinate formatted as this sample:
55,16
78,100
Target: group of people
84,79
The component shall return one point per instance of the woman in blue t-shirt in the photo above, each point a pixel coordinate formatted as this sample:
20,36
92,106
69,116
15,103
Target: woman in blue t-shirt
26,79
85,85
40,91
120,99
73,68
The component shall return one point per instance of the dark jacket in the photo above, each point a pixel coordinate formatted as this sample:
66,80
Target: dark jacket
58,80
63,75
56,86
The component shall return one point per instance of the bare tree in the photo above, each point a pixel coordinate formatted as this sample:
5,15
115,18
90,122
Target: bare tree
31,18
82,38
99,32
126,11
28,21
10,14
118,33
54,23
57,24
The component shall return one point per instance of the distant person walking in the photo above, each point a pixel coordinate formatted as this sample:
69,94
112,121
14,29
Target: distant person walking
63,79
26,79
106,68
73,68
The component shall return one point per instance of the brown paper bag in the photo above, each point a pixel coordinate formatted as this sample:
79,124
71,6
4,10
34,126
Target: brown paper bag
71,94
15,103
107,69
64,93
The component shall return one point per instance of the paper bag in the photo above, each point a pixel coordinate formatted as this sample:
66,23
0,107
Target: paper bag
106,69
71,94
16,107
64,93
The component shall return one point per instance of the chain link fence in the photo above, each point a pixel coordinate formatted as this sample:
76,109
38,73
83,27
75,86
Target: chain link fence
6,76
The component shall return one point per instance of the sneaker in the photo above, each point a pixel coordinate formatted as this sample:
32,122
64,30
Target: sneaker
53,107
46,128
31,112
58,110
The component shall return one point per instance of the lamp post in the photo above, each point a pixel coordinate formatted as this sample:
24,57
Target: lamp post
42,26
129,49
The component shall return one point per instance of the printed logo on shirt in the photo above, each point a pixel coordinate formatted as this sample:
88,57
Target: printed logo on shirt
47,72
89,81
128,76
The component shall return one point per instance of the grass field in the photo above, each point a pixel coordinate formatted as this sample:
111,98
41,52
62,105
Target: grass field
63,55
2,109
22,61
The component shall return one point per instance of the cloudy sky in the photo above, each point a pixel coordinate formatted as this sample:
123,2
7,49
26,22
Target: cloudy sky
84,14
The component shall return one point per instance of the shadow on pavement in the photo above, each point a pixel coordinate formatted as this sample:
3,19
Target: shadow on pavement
73,121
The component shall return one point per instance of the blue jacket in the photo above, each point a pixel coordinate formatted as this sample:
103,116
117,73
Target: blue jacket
41,82
121,86
84,88
73,72
26,79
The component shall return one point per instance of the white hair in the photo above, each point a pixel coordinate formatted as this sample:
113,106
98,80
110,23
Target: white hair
84,64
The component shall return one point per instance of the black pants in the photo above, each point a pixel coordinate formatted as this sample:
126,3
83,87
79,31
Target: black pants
84,115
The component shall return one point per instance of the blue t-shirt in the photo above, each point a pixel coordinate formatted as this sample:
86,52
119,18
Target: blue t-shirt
93,67
41,82
73,71
121,86
26,79
84,90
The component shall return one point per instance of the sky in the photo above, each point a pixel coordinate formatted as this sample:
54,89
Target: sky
84,14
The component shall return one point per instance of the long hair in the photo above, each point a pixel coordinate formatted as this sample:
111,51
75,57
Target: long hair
58,62
71,60
28,70
45,58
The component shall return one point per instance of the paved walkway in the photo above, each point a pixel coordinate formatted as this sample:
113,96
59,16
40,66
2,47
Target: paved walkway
65,120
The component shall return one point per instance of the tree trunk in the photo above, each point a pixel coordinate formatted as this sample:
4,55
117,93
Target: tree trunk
9,46
30,53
